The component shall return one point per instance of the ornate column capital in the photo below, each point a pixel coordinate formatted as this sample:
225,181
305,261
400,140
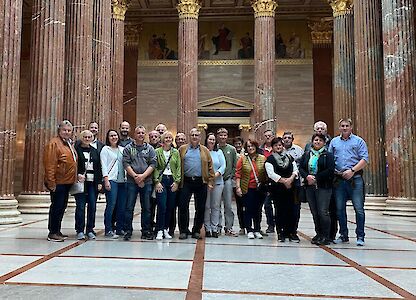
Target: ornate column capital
341,7
244,127
321,31
132,33
264,8
188,9
120,8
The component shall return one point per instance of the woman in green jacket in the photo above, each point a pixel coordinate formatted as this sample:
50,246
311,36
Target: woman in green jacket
166,177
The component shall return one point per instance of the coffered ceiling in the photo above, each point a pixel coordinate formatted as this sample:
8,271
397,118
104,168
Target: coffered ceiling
148,10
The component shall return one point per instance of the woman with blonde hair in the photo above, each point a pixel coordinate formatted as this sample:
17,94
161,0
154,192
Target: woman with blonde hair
89,172
166,177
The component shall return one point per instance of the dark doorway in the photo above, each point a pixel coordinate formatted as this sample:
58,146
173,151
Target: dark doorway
233,130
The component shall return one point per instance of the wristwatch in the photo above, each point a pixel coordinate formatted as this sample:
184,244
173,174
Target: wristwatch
352,170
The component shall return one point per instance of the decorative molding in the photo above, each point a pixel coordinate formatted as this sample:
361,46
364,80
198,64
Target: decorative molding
188,9
224,120
225,62
321,31
132,34
226,104
264,8
341,7
120,8
203,126
245,127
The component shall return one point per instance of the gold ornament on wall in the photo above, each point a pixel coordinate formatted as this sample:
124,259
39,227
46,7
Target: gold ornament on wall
321,31
264,8
120,8
188,9
341,7
132,33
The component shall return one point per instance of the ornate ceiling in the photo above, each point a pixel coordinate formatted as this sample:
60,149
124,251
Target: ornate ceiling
162,10
152,10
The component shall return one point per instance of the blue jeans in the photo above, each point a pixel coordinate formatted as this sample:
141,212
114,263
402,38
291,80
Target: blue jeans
252,202
165,203
350,189
90,197
116,196
59,201
268,210
145,192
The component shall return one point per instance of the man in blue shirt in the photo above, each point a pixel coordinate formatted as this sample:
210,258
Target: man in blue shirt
351,157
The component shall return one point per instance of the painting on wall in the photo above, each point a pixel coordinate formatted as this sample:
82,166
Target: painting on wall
158,48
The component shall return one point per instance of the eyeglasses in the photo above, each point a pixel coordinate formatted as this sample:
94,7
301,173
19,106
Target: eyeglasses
195,134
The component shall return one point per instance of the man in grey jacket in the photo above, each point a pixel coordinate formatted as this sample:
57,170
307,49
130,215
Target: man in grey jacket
139,160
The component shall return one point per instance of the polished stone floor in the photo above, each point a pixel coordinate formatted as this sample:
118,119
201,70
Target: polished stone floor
223,268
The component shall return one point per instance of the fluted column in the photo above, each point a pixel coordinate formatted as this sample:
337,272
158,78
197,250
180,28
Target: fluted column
78,63
46,98
117,60
10,38
321,34
399,40
369,123
344,65
188,65
101,74
264,114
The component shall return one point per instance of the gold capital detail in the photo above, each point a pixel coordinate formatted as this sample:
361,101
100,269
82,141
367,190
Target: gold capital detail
188,9
341,7
321,31
264,8
132,33
120,8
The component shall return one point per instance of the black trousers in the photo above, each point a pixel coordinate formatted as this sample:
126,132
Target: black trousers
172,223
240,209
59,201
284,205
199,189
333,216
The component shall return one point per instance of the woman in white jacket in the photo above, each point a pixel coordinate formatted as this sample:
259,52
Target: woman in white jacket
114,184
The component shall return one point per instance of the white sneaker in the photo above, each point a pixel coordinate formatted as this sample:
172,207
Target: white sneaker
80,236
258,235
111,235
91,235
250,235
166,234
159,235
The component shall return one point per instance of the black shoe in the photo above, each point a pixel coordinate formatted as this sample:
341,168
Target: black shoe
127,236
196,236
263,233
64,236
315,239
323,241
294,238
183,236
270,229
215,234
281,237
208,234
188,232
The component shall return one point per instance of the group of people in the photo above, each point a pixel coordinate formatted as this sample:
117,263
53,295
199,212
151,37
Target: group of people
166,171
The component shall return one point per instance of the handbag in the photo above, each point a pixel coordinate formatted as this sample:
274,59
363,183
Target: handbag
77,188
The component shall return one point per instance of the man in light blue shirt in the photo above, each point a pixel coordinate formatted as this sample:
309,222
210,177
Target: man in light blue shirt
351,157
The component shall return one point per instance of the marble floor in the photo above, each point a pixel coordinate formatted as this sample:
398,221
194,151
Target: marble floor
223,268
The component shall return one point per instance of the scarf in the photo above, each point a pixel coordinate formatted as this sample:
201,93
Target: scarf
313,160
282,160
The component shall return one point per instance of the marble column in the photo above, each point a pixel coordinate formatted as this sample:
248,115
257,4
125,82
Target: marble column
264,113
101,73
78,63
46,98
10,39
321,34
399,40
188,65
369,102
344,64
117,61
